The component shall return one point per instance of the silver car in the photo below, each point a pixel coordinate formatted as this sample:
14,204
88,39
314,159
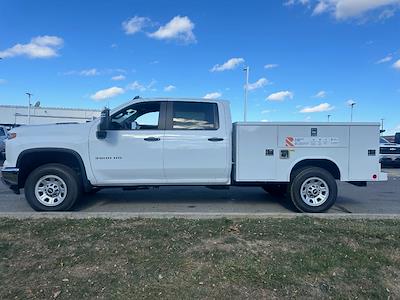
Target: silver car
3,137
389,152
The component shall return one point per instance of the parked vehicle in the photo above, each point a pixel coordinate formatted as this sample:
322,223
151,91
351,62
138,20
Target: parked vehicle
159,142
389,153
3,137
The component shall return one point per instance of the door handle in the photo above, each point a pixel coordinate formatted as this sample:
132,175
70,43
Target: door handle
215,139
151,139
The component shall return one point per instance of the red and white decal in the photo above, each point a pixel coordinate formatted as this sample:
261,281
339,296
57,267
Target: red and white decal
289,141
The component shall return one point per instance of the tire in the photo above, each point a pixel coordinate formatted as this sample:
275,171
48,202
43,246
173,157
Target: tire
313,190
52,187
277,189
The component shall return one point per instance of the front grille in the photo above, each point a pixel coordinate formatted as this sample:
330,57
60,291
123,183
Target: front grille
389,150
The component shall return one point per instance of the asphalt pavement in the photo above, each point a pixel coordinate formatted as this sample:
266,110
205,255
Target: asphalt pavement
376,198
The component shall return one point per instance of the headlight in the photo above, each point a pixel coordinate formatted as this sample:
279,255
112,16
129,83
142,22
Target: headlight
12,135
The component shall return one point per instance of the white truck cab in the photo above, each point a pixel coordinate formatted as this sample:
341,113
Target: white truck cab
159,142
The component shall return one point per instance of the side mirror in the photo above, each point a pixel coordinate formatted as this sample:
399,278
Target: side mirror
134,125
104,124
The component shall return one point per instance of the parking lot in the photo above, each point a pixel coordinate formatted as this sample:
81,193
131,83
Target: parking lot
376,198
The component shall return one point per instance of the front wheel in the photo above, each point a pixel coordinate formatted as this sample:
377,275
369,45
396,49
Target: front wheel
52,187
313,190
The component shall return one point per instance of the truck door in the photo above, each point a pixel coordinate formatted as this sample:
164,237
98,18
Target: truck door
132,152
196,143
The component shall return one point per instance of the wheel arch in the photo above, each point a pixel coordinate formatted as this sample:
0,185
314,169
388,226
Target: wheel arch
30,159
323,163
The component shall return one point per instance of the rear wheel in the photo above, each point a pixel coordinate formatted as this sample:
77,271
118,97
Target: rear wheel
52,187
313,190
276,189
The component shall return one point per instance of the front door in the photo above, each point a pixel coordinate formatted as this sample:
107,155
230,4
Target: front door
132,152
196,144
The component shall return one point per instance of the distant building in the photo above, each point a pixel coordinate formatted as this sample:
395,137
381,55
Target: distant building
15,115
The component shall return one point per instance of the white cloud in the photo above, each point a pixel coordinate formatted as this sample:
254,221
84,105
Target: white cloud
39,47
136,86
228,65
89,72
169,88
214,95
318,108
179,28
396,65
293,2
107,93
258,84
350,102
320,94
385,59
135,24
267,111
280,96
271,66
321,7
118,77
346,9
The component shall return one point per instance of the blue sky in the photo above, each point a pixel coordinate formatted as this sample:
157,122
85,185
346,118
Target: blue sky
307,58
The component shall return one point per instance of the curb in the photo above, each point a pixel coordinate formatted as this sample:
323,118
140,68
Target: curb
183,215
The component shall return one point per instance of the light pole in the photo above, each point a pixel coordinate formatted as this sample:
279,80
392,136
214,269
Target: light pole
351,116
351,103
29,107
382,130
246,69
329,118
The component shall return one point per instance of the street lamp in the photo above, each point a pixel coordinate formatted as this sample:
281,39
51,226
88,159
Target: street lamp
351,103
29,107
329,118
247,70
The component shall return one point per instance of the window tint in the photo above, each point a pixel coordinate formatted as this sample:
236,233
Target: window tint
2,132
195,116
140,116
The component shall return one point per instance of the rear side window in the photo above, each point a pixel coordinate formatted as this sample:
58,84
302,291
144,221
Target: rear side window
195,116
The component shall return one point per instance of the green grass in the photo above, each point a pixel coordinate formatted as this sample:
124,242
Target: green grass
177,258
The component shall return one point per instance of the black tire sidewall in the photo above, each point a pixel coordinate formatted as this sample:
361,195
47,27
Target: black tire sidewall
65,173
302,176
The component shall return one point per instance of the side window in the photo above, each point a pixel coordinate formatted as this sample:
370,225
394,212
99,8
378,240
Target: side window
2,132
195,116
139,116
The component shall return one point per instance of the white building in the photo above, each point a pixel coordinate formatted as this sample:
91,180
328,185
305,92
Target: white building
11,115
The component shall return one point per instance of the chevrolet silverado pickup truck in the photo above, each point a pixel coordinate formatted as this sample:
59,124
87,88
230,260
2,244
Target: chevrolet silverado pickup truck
161,142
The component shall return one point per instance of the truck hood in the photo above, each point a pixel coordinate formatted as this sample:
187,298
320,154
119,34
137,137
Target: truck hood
59,129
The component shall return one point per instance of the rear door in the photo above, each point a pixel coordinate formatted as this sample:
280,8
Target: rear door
196,143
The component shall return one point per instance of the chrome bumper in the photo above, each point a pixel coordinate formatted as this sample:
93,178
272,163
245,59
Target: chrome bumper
9,176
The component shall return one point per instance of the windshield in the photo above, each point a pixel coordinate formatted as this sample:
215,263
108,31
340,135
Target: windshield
383,140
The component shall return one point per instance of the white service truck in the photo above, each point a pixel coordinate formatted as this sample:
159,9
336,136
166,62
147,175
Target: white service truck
161,142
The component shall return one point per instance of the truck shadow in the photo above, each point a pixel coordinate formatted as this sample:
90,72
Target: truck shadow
190,199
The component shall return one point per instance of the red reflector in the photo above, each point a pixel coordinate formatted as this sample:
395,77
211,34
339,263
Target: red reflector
374,176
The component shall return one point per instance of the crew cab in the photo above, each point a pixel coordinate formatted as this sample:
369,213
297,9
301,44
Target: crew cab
161,142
